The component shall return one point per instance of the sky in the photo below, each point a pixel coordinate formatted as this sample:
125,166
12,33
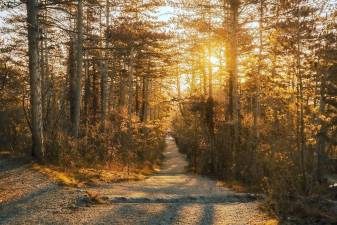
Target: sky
2,15
165,13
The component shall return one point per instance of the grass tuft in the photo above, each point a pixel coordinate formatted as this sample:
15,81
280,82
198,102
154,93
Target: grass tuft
57,175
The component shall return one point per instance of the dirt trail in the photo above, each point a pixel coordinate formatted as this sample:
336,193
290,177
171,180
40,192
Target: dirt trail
169,197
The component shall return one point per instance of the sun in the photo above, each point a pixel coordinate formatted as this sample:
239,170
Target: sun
215,60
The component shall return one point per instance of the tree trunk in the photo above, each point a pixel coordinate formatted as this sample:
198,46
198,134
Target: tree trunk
256,108
209,63
145,104
321,142
76,98
104,72
302,144
192,85
122,89
95,93
204,76
178,84
232,53
38,150
210,101
130,83
87,92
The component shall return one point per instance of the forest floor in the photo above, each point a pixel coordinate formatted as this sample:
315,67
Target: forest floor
171,196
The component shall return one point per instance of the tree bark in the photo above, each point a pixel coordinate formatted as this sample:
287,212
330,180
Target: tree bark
104,72
130,83
122,89
76,98
233,100
301,128
145,104
38,150
256,109
193,89
321,142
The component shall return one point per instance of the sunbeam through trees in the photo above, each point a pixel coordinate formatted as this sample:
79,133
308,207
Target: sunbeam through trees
247,89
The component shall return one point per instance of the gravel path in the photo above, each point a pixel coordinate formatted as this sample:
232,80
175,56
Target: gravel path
169,197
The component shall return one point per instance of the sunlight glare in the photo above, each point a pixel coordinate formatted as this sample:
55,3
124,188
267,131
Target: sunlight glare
243,80
215,60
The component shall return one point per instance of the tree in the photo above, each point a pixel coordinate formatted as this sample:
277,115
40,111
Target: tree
77,78
231,56
104,76
35,81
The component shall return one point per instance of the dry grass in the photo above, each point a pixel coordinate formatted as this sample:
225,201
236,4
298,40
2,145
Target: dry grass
271,222
82,176
95,176
234,185
58,175
267,220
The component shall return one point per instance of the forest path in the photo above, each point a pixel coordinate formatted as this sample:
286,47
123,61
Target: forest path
169,197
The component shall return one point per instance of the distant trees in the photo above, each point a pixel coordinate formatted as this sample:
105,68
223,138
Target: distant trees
270,91
96,68
326,69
